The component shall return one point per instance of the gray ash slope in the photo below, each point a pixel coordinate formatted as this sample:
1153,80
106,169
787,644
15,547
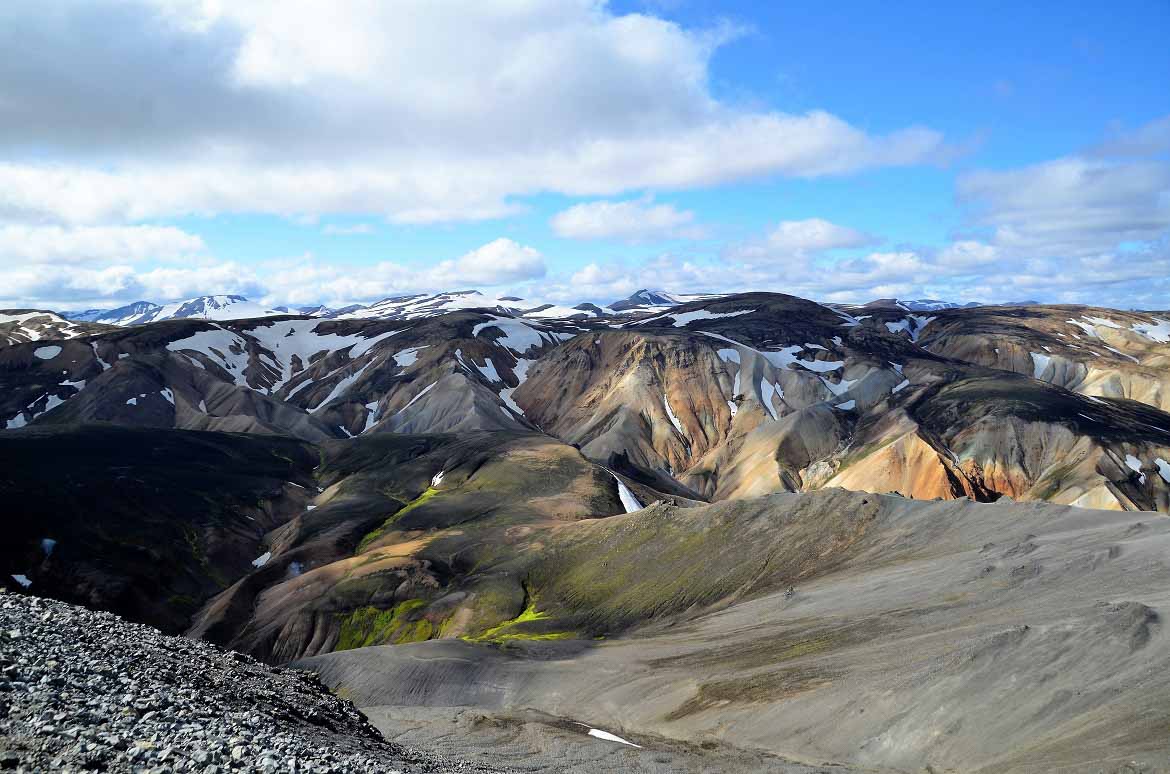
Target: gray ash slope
88,691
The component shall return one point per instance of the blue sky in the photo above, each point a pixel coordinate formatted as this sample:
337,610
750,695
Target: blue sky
578,150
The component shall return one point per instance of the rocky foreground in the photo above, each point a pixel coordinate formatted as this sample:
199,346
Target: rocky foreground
87,691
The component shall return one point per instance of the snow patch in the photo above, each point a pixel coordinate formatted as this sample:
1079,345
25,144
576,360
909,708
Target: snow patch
521,372
437,479
682,319
1134,464
262,559
847,405
1159,330
611,737
47,353
839,388
673,419
407,357
900,386
517,335
1163,469
1039,364
767,390
25,582
629,501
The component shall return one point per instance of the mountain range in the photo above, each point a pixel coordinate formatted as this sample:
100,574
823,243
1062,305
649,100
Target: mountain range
229,307
694,513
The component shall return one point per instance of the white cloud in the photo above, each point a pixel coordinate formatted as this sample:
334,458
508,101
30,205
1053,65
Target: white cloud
333,229
417,111
54,244
1071,206
632,220
1146,140
814,235
495,263
292,280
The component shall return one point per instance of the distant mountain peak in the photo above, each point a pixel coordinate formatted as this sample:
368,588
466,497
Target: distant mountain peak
213,307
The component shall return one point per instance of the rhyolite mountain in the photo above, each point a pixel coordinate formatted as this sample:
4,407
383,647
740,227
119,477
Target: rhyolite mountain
695,515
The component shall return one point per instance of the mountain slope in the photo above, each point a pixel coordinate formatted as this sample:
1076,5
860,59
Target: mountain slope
23,325
412,538
145,523
868,631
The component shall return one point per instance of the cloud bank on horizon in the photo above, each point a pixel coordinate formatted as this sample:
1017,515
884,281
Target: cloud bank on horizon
299,152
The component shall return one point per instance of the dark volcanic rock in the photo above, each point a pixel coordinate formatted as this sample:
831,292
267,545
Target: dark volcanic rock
87,691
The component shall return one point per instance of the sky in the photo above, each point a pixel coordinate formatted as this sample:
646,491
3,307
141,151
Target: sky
298,152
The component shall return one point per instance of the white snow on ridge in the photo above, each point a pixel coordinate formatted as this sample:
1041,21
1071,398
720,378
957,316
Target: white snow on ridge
1104,322
47,353
847,405
221,346
781,358
408,357
287,339
518,335
1163,469
425,390
900,386
682,319
262,560
1087,328
1159,330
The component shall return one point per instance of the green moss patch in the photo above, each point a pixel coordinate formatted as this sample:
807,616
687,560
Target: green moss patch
378,533
371,626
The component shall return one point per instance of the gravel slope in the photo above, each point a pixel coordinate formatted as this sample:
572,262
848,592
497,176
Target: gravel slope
83,690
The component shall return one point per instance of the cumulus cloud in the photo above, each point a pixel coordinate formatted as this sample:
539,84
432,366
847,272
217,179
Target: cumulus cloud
418,111
814,235
632,220
291,280
495,263
45,244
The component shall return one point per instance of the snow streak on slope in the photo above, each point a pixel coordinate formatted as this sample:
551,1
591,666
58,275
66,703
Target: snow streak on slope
629,501
521,372
673,419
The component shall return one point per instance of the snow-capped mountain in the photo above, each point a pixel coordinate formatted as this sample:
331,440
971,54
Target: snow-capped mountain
658,300
422,305
319,310
203,308
913,305
132,314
